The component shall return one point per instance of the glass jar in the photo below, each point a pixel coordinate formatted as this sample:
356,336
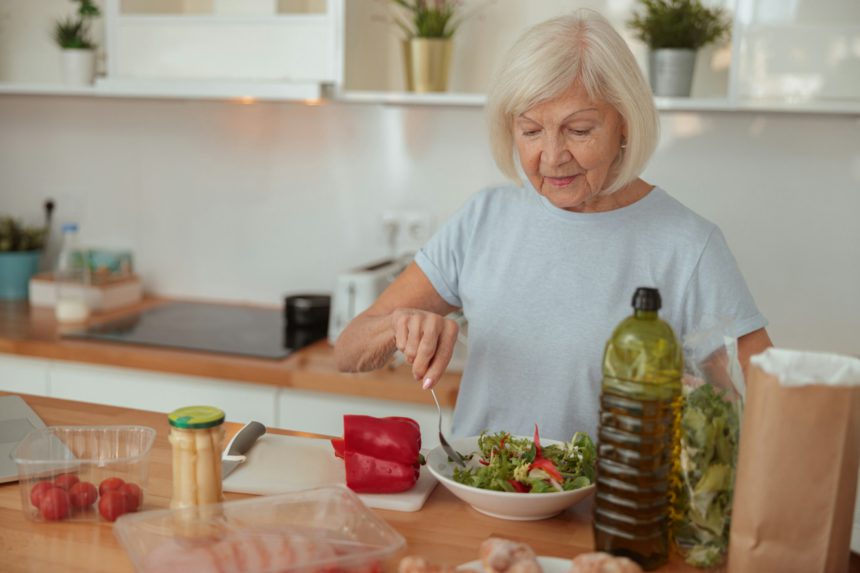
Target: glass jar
196,436
72,279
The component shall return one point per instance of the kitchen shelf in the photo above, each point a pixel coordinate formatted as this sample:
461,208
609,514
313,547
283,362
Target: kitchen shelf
314,93
411,98
245,91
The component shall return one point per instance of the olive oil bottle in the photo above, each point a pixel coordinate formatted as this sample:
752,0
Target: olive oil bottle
638,447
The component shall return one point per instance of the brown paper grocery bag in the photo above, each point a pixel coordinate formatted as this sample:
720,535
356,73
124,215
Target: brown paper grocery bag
797,475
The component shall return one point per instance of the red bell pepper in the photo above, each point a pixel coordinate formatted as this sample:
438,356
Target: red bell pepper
381,455
543,463
519,487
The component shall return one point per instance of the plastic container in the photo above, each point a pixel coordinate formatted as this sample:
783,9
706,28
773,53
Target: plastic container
637,452
84,454
323,529
196,437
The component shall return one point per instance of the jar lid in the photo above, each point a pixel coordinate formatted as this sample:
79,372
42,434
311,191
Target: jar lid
196,417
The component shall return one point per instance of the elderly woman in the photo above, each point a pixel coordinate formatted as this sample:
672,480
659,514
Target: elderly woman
544,270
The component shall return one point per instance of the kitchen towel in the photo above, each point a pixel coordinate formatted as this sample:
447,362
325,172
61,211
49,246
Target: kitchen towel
797,464
279,464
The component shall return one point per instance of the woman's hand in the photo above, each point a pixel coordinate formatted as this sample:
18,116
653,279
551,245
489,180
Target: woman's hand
427,341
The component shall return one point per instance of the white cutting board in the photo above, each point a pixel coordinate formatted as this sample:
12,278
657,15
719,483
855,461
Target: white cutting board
279,464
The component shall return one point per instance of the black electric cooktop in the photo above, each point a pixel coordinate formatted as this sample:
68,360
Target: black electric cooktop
245,331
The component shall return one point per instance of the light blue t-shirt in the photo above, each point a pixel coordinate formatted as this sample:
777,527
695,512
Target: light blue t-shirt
543,288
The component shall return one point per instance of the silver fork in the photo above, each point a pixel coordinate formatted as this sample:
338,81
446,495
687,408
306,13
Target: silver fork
453,454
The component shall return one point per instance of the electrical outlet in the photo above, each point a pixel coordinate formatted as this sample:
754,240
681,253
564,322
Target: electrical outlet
406,230
418,226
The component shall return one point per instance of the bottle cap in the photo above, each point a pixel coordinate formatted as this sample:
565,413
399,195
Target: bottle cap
67,227
647,299
196,417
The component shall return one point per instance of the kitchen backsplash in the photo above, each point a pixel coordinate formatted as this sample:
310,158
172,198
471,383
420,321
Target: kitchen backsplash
247,202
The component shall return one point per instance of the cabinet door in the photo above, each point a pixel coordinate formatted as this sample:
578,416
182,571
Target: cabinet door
323,413
162,392
263,40
24,375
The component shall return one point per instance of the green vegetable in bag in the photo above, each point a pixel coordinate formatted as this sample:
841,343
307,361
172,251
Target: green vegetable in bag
710,428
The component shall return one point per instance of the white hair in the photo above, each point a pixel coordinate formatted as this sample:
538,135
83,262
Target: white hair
547,60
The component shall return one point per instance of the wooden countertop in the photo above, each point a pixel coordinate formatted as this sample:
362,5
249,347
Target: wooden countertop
446,530
32,331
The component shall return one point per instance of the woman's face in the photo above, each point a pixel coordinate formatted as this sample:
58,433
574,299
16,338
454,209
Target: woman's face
567,146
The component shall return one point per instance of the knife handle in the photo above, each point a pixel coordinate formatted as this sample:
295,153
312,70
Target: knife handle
245,438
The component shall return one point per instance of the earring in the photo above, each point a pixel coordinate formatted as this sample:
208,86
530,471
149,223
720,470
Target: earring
623,144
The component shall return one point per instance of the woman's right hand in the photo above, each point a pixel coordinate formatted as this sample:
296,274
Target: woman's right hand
427,341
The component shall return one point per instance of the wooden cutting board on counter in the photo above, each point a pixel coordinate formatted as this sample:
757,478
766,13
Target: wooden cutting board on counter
279,464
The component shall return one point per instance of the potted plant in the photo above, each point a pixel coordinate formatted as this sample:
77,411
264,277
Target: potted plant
674,30
429,27
20,250
72,35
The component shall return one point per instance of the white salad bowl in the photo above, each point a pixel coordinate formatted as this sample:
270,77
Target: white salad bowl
501,504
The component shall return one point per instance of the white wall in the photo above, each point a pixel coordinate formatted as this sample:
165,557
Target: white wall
238,202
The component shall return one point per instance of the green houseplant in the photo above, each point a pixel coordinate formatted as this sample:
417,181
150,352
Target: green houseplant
20,250
428,27
73,35
674,30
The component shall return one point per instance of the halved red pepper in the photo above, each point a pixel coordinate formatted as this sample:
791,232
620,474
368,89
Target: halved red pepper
381,455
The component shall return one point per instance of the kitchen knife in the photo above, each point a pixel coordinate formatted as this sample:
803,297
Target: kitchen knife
234,453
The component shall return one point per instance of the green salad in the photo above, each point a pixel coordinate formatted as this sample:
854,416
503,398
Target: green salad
710,427
522,465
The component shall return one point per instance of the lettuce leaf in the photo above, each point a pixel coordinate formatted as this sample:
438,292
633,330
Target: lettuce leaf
710,430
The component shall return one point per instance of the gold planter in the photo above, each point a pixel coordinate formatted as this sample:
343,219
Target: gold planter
427,63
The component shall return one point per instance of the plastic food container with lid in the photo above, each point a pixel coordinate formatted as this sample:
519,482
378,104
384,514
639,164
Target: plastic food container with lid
77,459
317,530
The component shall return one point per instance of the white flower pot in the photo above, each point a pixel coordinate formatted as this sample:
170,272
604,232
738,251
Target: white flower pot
79,67
670,71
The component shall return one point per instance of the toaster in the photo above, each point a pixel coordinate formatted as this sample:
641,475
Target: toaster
357,289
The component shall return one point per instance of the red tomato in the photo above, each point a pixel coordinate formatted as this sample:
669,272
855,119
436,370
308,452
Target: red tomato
66,481
112,504
133,495
109,484
54,504
82,495
38,491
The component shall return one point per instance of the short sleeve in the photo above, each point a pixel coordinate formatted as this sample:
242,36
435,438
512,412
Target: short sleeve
717,293
442,258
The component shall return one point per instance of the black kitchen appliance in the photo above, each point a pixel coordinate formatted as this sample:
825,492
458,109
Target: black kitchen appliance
245,331
306,318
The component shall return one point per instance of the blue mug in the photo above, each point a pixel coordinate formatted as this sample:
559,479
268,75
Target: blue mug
16,268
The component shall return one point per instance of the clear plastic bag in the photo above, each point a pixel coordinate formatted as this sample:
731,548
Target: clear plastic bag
713,389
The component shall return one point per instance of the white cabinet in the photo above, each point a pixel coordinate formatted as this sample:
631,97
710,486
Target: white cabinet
161,392
24,375
296,42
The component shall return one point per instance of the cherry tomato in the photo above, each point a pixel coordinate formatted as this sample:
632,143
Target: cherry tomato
112,504
110,484
38,491
66,481
82,495
54,504
133,495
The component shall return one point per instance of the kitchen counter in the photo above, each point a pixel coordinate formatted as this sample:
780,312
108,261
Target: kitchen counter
33,332
445,530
